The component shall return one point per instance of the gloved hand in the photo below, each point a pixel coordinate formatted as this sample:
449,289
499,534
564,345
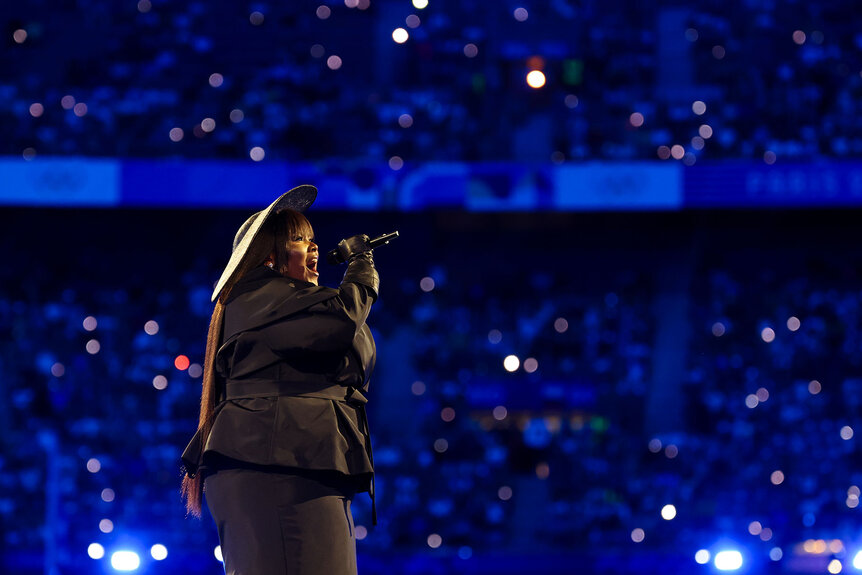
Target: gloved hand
348,249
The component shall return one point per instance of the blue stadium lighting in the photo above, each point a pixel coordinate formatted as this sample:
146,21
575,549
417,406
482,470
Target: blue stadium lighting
857,560
728,560
125,561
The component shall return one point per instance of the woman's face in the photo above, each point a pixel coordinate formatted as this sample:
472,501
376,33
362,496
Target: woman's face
302,254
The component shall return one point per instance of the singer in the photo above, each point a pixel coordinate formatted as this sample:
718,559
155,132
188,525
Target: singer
282,444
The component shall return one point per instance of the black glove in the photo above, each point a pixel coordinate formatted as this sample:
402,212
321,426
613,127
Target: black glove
361,270
348,249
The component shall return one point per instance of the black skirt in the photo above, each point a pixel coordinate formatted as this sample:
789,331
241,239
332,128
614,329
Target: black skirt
282,523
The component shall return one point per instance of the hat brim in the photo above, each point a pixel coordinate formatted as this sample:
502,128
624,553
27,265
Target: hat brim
299,198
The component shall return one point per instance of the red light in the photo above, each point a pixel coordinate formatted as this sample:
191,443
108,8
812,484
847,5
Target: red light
181,362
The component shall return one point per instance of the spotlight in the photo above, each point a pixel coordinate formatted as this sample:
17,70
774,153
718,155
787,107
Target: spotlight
125,561
730,560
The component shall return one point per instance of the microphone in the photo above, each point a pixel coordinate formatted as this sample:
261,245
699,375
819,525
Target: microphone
333,257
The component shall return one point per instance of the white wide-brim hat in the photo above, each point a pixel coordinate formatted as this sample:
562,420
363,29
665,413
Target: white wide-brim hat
299,199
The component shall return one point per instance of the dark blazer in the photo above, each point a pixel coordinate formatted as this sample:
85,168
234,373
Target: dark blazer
292,367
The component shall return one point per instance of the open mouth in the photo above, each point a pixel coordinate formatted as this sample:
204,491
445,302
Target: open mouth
312,266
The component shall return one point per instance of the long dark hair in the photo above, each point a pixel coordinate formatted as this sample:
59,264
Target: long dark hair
272,239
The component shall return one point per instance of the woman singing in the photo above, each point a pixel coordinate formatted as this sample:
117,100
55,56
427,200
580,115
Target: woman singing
282,444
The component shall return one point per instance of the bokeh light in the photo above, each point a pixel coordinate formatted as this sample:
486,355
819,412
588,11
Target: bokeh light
535,79
181,362
776,554
755,527
561,325
543,470
159,552
125,560
511,363
729,560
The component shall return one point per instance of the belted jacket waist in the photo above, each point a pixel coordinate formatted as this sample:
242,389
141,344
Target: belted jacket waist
247,388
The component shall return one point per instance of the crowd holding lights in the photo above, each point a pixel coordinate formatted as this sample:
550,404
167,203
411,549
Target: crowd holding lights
479,440
469,106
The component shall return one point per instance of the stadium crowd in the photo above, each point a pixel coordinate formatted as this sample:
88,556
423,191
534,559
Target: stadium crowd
510,406
284,81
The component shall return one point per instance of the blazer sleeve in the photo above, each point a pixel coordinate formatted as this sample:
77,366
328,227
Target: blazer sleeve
330,325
